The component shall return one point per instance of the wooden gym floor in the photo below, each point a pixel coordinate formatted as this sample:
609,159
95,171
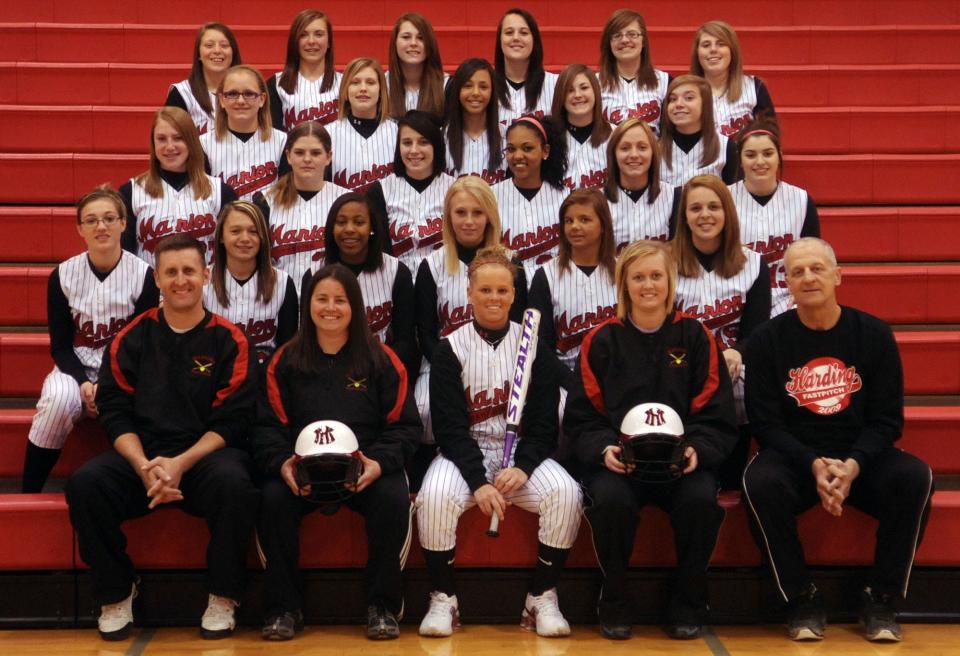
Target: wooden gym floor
481,640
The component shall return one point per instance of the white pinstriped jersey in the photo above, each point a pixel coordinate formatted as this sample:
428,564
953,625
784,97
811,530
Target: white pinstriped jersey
717,302
687,165
308,103
586,164
358,162
453,308
630,101
174,212
377,289
296,232
246,166
476,158
518,100
731,117
415,219
486,375
640,220
580,303
530,228
201,118
258,320
769,229
412,96
99,308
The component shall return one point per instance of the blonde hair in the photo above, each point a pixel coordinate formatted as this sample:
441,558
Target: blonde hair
497,255
480,190
637,251
263,114
350,72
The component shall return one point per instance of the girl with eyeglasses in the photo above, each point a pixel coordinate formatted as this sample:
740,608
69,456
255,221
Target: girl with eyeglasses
244,150
632,87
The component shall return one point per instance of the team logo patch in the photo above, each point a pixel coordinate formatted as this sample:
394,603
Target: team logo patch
359,385
202,365
677,357
823,385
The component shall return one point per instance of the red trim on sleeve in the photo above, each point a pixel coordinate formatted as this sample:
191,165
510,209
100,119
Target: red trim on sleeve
397,408
241,365
118,376
590,384
273,388
712,382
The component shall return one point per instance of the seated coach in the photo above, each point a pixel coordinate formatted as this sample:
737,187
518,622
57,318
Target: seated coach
175,393
825,401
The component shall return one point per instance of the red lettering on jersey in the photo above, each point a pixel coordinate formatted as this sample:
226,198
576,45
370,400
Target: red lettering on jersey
379,316
361,180
823,385
624,244
537,244
772,251
648,111
735,125
94,336
570,332
401,237
259,176
491,177
481,406
200,226
450,320
717,317
285,242
259,332
325,113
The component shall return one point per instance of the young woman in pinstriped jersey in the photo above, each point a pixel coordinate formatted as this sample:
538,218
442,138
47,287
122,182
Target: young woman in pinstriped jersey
472,127
518,58
576,106
415,75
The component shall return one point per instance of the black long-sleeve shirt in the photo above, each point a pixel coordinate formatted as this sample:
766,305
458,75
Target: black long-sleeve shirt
170,388
450,416
378,408
678,365
835,393
62,328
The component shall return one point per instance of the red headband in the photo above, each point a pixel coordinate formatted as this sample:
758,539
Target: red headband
536,123
753,132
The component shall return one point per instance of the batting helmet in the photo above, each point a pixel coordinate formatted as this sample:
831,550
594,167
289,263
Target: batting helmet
328,460
652,440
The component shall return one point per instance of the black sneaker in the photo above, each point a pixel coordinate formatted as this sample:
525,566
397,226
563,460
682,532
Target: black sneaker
381,624
806,619
614,631
283,626
684,622
878,617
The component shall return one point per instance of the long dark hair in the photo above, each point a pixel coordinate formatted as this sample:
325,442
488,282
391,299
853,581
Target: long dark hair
431,81
426,125
607,248
198,84
609,75
363,351
709,140
534,82
374,244
731,259
454,115
291,68
601,129
553,169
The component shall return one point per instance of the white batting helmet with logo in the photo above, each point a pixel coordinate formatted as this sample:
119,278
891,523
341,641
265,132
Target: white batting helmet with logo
652,440
328,460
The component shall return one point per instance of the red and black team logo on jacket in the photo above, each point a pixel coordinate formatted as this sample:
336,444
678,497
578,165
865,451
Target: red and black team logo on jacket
823,385
202,365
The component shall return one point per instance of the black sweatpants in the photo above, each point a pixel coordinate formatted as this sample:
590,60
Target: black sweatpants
612,511
894,487
385,506
106,491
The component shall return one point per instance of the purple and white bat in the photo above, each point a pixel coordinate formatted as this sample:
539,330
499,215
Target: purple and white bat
522,372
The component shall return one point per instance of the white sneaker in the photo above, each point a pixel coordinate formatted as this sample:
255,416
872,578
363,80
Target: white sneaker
542,613
443,616
116,620
218,620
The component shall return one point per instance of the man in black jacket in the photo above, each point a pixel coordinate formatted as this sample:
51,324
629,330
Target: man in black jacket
175,394
824,395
